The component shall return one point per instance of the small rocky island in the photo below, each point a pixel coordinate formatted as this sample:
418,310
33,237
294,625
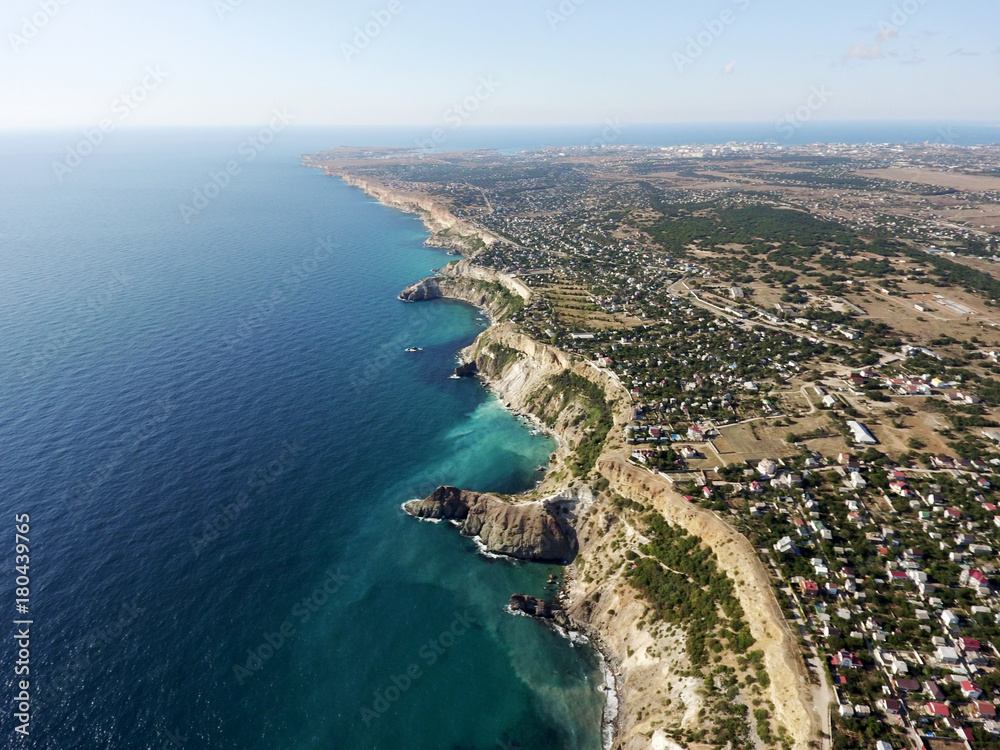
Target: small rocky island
527,531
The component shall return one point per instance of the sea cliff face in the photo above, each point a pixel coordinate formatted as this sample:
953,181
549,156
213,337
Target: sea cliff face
527,531
447,231
476,285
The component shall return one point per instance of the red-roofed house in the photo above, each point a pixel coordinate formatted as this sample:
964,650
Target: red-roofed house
844,659
969,645
938,709
809,588
985,710
971,690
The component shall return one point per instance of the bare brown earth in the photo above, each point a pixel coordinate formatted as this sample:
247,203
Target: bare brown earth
954,180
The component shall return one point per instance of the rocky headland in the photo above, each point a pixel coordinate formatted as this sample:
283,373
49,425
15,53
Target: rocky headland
536,531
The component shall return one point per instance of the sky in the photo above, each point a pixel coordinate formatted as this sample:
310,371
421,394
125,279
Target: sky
76,63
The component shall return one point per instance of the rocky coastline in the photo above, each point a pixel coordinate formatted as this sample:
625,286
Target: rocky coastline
573,523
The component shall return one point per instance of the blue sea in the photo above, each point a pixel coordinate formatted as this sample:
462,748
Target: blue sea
208,415
211,422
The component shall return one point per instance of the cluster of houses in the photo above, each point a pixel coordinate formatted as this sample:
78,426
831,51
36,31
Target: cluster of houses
903,384
934,689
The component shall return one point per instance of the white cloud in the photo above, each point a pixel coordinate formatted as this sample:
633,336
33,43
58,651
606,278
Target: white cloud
864,52
889,32
730,67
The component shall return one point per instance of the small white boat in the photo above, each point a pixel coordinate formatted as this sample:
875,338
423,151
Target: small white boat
414,349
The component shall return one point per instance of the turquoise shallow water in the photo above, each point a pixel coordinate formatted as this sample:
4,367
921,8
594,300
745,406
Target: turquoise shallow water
213,426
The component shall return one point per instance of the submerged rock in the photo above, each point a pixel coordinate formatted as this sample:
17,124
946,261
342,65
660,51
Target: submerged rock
526,531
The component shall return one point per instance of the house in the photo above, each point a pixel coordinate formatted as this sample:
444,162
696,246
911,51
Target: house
907,686
858,482
969,646
933,691
695,433
975,579
947,655
767,467
788,481
846,710
898,577
809,588
984,710
785,545
889,705
971,690
844,659
829,401
860,433
938,709
934,498
882,745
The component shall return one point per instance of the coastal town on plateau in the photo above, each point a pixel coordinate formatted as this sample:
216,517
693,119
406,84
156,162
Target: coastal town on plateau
801,353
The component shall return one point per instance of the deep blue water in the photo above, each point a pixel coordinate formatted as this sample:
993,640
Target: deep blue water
212,425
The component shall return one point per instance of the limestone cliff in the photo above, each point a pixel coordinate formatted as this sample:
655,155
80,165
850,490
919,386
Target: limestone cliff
497,293
447,230
526,531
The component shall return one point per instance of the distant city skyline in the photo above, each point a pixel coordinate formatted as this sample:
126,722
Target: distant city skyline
75,64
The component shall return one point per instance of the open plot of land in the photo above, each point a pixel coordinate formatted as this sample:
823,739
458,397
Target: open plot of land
953,180
752,440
